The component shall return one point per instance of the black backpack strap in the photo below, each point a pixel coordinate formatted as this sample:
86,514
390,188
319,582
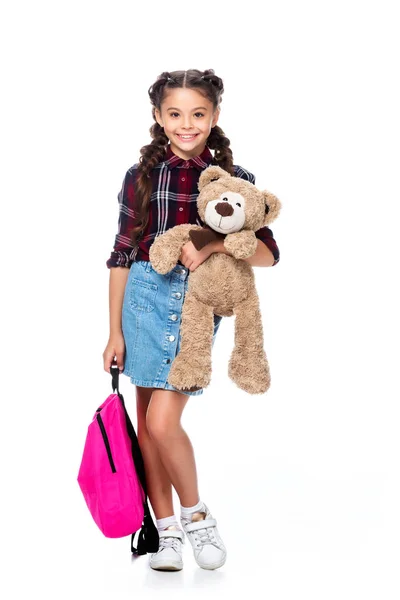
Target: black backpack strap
148,534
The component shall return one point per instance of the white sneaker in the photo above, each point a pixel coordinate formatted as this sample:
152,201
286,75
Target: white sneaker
169,554
209,550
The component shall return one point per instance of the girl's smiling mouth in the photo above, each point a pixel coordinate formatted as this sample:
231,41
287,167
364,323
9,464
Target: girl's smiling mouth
187,137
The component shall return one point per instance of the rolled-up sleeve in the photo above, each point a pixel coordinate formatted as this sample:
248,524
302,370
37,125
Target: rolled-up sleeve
264,233
123,253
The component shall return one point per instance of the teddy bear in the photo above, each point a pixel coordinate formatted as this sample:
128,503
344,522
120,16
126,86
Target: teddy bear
231,209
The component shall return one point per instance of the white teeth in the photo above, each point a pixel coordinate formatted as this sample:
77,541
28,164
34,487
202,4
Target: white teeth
187,137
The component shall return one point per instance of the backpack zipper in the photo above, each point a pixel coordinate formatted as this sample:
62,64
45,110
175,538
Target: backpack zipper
106,442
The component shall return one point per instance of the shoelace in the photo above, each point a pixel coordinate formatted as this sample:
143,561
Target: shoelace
169,542
204,536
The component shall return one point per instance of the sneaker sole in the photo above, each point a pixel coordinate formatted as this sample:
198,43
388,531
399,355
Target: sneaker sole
213,565
170,566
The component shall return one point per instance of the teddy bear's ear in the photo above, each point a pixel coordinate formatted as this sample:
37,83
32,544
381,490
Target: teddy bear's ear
272,207
212,173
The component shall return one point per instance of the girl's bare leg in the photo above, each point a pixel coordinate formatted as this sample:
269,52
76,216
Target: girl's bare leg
175,451
159,487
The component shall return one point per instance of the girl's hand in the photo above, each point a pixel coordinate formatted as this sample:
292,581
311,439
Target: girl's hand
192,258
114,352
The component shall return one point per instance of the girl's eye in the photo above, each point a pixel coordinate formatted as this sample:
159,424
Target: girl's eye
198,113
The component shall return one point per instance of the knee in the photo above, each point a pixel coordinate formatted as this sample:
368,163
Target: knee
161,428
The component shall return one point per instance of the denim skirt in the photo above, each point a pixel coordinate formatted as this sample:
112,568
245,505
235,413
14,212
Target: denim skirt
151,319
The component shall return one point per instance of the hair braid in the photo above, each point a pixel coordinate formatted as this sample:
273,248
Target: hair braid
151,155
223,157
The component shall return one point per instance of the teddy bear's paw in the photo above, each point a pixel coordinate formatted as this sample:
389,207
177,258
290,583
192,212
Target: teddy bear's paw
250,372
161,260
163,269
241,244
161,264
184,375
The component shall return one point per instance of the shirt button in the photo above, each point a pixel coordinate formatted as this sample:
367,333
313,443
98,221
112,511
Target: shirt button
180,208
171,338
183,179
178,295
174,317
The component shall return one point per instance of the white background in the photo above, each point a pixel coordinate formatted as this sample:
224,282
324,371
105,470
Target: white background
304,480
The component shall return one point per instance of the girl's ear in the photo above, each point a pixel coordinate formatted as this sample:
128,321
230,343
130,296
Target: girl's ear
216,117
210,174
158,117
272,207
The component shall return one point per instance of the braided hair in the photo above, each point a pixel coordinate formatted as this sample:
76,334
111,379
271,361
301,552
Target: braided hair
212,87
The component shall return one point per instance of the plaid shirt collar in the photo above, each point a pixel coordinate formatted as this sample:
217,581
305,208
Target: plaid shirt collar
200,162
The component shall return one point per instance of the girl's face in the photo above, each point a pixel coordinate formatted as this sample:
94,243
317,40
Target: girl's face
186,112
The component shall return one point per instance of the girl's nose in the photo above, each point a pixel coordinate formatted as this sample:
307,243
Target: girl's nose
187,123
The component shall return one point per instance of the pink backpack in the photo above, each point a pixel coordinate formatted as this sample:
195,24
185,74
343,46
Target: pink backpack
112,476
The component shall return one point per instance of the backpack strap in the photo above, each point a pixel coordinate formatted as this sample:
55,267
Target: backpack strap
148,537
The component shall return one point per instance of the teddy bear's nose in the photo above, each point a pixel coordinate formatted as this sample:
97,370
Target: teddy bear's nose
224,209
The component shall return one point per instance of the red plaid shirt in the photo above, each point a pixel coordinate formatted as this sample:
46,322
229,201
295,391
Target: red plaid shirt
173,202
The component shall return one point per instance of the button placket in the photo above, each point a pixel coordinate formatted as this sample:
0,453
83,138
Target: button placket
174,324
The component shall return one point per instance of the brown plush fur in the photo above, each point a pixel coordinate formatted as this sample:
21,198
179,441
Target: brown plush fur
223,285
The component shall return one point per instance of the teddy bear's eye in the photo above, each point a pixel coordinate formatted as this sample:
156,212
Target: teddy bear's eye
225,199
238,204
266,209
214,179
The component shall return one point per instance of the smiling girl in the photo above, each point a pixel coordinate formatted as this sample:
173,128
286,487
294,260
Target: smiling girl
157,193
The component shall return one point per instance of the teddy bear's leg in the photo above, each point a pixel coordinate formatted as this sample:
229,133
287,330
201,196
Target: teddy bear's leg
248,364
191,368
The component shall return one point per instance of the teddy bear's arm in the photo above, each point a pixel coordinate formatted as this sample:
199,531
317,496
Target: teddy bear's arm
241,244
165,250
